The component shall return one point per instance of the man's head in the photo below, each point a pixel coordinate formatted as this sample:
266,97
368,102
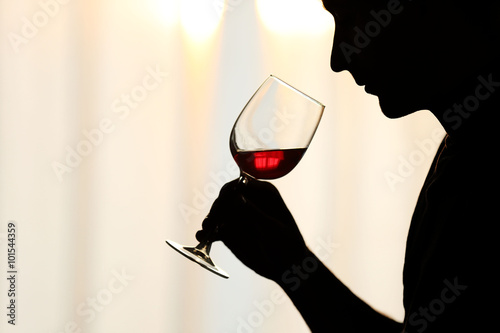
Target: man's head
409,52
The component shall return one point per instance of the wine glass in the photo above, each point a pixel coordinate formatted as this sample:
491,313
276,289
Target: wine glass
267,141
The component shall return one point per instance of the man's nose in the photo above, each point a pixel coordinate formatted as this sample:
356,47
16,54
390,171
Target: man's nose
342,53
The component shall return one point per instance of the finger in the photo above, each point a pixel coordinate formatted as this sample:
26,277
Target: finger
201,235
265,197
259,192
222,209
208,235
210,230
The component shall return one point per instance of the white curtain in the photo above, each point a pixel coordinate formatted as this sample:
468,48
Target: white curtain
114,124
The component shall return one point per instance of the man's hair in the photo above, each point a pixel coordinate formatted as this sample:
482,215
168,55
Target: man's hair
483,14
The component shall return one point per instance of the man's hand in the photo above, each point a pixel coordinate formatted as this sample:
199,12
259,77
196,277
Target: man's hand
254,223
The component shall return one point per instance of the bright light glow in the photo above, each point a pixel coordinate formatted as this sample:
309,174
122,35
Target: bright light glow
200,18
294,16
166,10
268,160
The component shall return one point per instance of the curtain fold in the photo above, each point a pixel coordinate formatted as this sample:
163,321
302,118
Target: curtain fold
114,127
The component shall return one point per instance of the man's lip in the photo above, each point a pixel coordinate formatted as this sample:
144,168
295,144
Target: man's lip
362,81
369,89
359,81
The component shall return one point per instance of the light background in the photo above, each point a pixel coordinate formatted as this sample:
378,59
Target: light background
69,68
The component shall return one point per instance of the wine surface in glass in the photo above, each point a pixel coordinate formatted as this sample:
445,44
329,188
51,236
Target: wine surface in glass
268,164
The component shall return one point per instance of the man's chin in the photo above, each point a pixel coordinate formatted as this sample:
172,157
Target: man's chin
394,107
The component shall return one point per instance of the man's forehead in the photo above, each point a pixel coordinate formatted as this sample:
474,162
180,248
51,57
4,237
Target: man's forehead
333,4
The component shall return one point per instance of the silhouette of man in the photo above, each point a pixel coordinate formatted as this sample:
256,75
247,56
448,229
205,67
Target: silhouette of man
437,55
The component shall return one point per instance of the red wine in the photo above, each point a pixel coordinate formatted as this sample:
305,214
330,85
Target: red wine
268,164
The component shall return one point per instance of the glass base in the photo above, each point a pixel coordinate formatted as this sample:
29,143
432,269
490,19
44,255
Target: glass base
198,256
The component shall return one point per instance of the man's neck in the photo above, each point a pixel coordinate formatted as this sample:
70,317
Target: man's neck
472,107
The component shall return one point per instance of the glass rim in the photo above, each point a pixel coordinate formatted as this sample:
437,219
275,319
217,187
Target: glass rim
295,89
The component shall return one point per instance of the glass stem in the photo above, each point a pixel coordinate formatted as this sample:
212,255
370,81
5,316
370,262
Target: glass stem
243,178
205,246
243,181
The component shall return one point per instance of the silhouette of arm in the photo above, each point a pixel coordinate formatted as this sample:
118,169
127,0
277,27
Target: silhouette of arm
326,304
254,223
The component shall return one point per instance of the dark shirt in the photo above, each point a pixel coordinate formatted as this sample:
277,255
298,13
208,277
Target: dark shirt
452,248
449,277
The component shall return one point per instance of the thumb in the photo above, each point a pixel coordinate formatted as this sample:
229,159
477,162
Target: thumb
224,207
